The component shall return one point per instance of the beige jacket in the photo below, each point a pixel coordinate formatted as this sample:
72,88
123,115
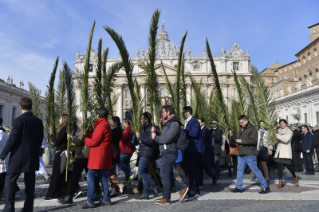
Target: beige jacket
284,143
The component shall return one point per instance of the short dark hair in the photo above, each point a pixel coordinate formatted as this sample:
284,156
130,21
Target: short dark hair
283,120
242,117
1,121
147,116
26,103
169,108
261,121
201,119
127,121
102,112
188,109
305,126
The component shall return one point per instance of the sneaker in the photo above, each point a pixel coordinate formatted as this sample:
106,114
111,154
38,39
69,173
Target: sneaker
182,194
265,190
106,203
85,204
163,201
77,194
237,190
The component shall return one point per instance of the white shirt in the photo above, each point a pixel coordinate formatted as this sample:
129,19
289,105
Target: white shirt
187,120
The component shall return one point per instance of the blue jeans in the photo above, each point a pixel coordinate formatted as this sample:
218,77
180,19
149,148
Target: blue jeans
148,182
216,165
125,165
251,161
168,179
91,184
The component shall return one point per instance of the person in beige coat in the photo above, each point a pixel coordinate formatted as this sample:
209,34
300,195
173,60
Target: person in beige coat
283,153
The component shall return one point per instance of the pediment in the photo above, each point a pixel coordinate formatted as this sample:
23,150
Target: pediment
170,70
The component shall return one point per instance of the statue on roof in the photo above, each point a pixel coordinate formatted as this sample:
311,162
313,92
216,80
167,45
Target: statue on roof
188,52
298,86
204,52
137,52
21,84
223,52
289,90
143,53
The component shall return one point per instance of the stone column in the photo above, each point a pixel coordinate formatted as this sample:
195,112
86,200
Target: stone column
120,101
188,93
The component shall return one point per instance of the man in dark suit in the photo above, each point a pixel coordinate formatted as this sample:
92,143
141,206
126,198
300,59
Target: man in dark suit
307,150
296,148
23,144
218,140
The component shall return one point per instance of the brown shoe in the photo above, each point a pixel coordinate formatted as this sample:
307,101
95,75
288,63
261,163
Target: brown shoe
280,185
163,201
136,191
183,193
296,181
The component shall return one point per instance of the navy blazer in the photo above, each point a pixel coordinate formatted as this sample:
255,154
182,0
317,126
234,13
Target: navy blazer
194,134
307,142
24,143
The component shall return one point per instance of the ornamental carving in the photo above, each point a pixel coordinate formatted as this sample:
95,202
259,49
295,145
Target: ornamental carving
236,53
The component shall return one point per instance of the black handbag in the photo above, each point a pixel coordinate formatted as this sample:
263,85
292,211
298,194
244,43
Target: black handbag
263,153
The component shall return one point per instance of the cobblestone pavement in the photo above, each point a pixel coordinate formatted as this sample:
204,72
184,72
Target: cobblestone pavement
204,205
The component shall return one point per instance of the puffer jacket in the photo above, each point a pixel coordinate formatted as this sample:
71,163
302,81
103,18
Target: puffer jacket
168,138
125,143
146,147
249,137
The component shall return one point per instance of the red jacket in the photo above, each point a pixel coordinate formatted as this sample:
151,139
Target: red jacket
100,156
125,143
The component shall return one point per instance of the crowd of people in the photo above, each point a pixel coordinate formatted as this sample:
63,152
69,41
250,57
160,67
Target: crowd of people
186,149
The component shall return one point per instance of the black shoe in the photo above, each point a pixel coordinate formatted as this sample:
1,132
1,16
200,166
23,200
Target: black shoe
265,190
237,190
67,200
156,192
214,181
106,203
142,197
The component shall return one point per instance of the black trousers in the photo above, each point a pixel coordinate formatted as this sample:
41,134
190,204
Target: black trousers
78,166
2,181
11,189
295,161
289,167
192,163
307,160
180,171
203,166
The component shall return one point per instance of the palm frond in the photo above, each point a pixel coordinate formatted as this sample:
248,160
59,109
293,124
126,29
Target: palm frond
170,89
240,93
50,118
109,80
202,105
234,115
85,80
97,83
35,96
60,98
105,55
71,109
183,83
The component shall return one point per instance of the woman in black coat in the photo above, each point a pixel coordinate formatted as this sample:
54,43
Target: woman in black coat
231,142
58,186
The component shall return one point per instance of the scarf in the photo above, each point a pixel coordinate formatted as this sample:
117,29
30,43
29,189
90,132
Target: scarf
283,131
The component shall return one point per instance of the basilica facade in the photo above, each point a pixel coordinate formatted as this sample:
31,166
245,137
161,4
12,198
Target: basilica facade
234,59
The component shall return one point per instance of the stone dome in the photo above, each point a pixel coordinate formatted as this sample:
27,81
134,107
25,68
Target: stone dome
164,48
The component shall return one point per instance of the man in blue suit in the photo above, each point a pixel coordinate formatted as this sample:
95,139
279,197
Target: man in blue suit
307,150
23,144
194,150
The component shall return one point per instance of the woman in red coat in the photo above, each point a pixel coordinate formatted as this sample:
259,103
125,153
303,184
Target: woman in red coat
100,157
126,152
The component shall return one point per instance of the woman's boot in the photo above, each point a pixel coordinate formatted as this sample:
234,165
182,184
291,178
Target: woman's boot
280,185
296,181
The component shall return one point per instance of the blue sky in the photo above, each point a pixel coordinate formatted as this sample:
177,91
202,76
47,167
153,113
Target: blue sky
33,33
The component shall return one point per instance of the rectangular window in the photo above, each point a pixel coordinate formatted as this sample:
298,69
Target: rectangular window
317,115
235,66
14,110
91,68
235,93
306,120
1,110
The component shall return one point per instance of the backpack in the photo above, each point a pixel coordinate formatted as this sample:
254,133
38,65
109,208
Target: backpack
182,142
134,142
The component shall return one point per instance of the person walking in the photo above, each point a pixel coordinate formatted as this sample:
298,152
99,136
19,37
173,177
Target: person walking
42,170
146,151
167,141
316,143
126,152
247,155
283,153
296,148
23,144
4,165
58,187
194,150
218,139
232,144
307,150
100,158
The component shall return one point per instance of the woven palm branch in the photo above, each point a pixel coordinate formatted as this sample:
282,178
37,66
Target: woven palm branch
50,118
240,94
97,82
71,110
219,98
128,68
178,76
85,81
35,96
